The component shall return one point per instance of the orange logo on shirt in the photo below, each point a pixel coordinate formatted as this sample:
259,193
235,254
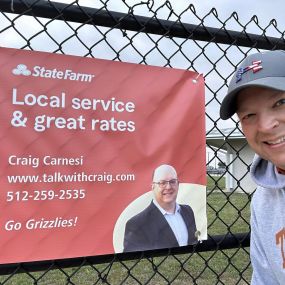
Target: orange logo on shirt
280,236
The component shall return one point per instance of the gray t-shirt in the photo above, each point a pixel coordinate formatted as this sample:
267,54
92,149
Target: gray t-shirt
267,247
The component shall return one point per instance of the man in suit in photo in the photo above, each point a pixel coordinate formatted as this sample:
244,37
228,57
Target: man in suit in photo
164,223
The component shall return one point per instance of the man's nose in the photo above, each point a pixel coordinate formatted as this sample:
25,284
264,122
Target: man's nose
267,122
168,185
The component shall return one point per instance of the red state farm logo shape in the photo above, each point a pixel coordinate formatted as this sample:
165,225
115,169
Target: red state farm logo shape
280,236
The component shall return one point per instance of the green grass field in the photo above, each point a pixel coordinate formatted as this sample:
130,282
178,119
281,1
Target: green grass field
226,212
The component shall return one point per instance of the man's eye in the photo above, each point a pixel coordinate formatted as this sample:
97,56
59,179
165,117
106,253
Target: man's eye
280,102
247,116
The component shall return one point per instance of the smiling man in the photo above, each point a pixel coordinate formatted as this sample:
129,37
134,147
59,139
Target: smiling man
257,94
164,223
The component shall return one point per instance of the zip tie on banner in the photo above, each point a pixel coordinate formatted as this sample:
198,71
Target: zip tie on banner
195,80
12,6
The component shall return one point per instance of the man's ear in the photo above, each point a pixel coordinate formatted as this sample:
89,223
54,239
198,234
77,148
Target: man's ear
152,186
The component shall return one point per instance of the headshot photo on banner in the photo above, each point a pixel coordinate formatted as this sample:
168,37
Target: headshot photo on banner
98,157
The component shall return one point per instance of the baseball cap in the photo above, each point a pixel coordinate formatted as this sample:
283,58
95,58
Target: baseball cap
265,69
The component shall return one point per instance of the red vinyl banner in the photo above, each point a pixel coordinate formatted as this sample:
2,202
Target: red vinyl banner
80,140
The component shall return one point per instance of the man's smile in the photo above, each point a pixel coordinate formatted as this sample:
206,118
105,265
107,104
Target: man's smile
275,141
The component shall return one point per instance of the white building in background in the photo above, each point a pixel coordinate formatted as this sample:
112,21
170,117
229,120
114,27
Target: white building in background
232,143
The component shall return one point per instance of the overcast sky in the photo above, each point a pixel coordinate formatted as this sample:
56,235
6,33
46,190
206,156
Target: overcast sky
264,9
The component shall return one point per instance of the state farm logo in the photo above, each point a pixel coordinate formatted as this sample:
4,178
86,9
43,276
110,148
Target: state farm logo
21,69
41,71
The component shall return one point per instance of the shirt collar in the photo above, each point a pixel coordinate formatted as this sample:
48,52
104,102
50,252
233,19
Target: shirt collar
177,208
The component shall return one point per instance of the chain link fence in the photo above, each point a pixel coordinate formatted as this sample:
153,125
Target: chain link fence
156,33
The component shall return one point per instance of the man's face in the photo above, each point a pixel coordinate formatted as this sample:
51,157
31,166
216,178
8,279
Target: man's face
165,187
261,112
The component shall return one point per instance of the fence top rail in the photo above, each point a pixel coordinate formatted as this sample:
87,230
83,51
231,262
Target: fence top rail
131,22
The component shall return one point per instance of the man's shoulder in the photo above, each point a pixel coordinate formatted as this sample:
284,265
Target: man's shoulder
264,198
143,215
185,207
